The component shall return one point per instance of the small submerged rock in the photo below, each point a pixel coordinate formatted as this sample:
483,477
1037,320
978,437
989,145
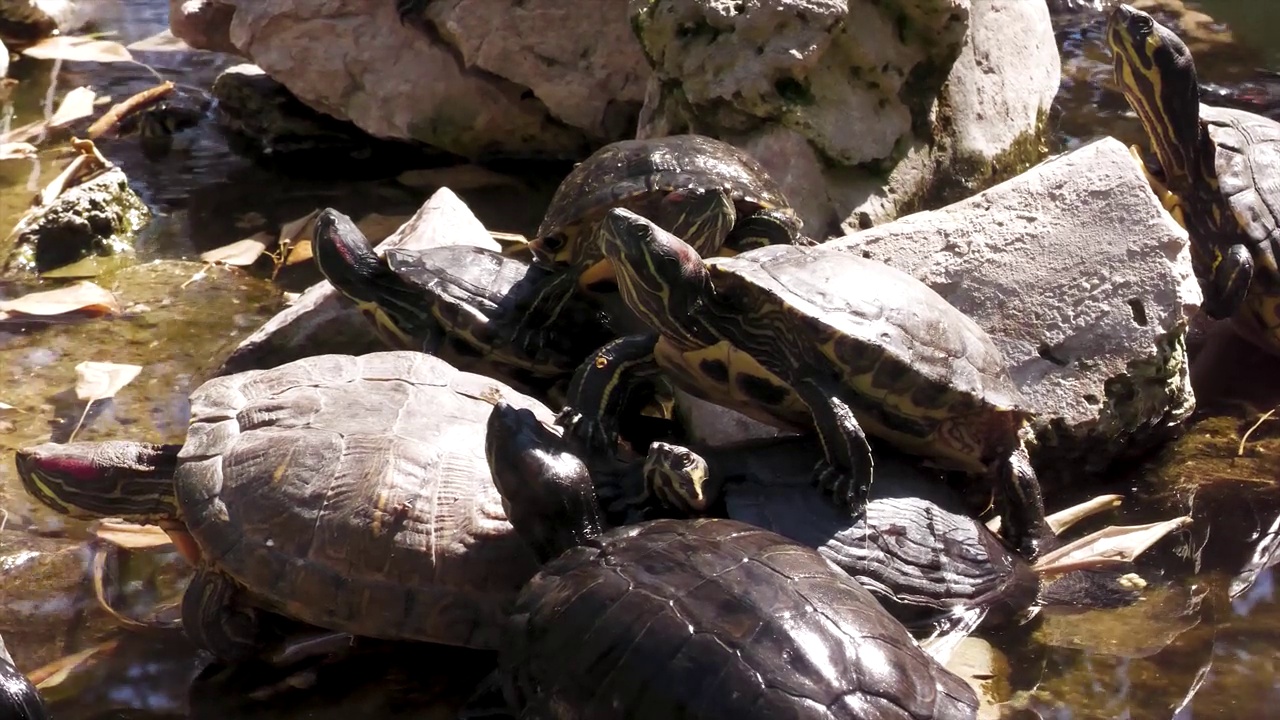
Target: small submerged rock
1083,281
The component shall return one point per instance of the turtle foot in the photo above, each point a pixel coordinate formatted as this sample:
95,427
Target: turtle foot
586,436
847,490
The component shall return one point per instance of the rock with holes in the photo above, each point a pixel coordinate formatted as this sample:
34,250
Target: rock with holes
863,109
1083,280
476,78
321,321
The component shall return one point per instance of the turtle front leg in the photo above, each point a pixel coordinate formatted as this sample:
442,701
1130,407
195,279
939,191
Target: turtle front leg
1022,517
765,227
213,620
846,468
600,389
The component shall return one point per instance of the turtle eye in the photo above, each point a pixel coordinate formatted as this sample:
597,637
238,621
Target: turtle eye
1142,24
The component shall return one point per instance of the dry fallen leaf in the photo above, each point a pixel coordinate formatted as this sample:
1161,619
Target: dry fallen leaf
83,296
163,41
75,105
299,251
292,230
241,252
98,381
101,380
6,409
78,49
130,536
17,151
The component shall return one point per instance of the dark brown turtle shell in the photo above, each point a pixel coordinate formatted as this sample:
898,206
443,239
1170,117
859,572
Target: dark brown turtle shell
353,493
714,619
630,173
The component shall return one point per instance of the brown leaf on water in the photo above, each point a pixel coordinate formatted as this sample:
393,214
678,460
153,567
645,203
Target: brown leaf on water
48,677
78,49
6,410
17,151
130,536
299,251
294,229
163,41
101,380
76,104
81,297
241,252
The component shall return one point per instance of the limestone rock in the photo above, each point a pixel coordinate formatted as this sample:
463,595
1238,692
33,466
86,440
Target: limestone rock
899,103
202,24
1084,282
322,321
542,80
97,217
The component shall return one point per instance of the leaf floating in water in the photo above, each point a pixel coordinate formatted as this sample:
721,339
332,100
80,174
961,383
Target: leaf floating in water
6,410
82,297
102,380
17,151
49,677
78,49
131,536
240,253
76,104
163,41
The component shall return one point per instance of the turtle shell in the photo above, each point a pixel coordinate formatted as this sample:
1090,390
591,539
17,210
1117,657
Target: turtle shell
714,619
352,493
1247,162
631,173
923,375
478,295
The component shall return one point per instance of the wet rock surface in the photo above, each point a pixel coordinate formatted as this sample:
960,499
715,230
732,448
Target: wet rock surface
204,24
1082,280
97,217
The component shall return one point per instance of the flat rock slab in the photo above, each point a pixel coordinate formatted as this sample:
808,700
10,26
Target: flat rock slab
1084,282
321,321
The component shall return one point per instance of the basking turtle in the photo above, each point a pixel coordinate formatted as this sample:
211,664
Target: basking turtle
19,699
350,493
704,618
1220,166
704,190
809,338
915,548
470,297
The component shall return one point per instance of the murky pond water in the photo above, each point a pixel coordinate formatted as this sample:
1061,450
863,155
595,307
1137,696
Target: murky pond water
1186,651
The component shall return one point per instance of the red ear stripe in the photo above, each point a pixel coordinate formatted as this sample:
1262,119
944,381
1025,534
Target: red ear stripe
78,468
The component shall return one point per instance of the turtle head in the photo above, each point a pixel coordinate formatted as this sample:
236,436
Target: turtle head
680,478
1227,274
88,480
662,278
546,490
344,256
1157,75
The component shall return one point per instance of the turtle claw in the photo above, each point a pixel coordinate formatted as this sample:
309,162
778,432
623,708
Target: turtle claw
586,436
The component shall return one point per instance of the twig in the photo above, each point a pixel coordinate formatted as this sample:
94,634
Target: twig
126,107
1244,438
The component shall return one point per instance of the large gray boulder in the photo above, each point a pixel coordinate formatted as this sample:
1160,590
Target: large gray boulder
1083,280
864,109
539,78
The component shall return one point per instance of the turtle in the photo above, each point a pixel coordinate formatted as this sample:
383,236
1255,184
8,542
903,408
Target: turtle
19,699
464,298
915,548
707,618
1217,171
350,493
712,194
812,338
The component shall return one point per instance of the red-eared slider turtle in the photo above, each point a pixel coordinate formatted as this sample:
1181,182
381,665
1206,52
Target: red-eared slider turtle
915,548
473,298
350,493
19,699
1220,167
689,619
706,191
809,338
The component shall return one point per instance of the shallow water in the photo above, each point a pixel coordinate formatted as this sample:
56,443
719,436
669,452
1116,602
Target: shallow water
1186,651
